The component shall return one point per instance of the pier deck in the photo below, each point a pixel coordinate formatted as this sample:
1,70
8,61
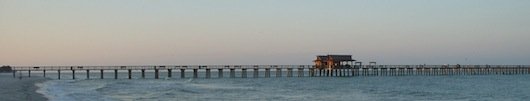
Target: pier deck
256,71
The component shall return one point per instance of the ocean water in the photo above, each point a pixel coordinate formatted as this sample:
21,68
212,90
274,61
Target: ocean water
377,88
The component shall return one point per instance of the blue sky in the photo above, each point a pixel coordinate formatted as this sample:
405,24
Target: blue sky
134,32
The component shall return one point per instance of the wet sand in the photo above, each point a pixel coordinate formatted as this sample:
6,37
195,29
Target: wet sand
16,89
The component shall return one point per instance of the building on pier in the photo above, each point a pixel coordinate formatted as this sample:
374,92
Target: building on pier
333,61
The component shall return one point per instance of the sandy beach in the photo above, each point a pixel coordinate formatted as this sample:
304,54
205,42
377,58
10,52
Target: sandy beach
15,89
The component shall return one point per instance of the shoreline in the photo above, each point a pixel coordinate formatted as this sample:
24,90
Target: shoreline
25,89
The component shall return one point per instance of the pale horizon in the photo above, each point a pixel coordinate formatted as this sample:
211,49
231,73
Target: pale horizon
207,32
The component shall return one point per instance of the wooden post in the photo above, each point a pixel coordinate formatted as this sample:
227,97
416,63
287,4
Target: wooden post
182,75
220,73
59,74
129,72
267,72
156,73
143,73
300,72
244,73
73,74
311,72
232,73
278,72
327,72
87,74
289,72
195,74
332,72
115,74
169,73
341,72
29,73
256,72
208,75
320,72
44,73
101,74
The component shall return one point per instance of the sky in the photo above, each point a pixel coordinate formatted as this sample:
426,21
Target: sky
196,32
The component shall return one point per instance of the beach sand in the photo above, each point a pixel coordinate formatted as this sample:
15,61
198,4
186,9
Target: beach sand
16,89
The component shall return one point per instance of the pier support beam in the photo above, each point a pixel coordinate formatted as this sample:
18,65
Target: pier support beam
208,74
244,73
129,72
143,73
339,72
43,73
87,74
320,72
267,72
182,73
115,74
156,74
289,72
311,72
169,73
101,74
73,74
220,74
195,74
256,73
232,73
278,72
59,74
29,73
300,72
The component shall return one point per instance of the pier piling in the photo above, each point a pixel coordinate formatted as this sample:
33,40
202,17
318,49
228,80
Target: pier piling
289,72
195,74
243,73
208,75
169,73
256,73
300,72
156,74
43,73
115,74
59,74
278,72
73,74
87,74
143,73
182,73
129,73
232,73
101,74
220,73
311,72
267,72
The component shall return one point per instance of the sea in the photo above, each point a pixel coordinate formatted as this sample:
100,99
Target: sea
360,88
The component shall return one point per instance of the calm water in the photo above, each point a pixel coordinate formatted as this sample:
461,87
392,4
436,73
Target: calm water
402,88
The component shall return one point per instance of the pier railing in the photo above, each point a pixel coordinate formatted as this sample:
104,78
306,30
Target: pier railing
284,70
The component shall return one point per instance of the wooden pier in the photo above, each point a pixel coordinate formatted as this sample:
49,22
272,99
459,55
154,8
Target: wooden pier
265,71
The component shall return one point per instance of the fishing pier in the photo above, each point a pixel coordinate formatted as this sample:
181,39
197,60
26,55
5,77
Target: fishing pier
265,71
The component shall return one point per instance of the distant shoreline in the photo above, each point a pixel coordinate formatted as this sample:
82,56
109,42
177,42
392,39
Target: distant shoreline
15,89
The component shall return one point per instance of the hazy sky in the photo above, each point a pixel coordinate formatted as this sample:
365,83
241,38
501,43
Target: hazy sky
147,32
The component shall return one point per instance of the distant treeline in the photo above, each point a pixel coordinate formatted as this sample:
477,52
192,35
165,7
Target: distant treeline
5,69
